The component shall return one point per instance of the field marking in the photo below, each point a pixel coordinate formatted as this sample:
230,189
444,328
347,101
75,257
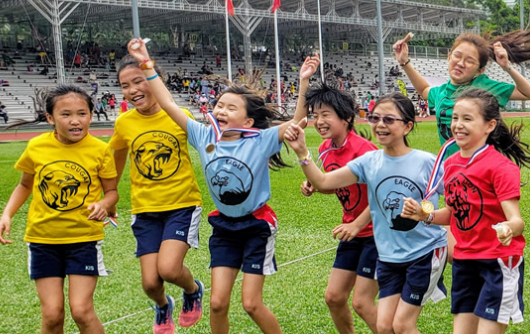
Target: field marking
208,289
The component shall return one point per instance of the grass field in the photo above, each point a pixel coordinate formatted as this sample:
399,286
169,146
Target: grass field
304,253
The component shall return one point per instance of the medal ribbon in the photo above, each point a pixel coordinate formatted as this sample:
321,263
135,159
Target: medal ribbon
247,132
321,157
435,179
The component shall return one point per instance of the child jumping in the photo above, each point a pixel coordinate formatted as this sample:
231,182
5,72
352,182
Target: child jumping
67,171
412,256
482,191
244,226
165,198
356,258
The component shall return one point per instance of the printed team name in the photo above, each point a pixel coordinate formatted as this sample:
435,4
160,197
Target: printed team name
169,138
234,163
404,183
79,170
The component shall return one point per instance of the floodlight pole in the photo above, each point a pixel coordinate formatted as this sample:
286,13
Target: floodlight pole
521,25
52,10
228,51
135,19
277,49
380,51
320,43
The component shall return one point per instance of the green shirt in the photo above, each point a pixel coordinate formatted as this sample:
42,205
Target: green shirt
442,99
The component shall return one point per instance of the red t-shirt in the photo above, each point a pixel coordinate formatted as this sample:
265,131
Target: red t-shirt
371,105
354,198
124,106
474,194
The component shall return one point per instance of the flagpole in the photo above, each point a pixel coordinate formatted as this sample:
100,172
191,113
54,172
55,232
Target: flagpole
320,43
278,81
228,53
135,19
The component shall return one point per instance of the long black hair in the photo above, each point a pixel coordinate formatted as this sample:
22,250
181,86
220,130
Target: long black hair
261,113
506,140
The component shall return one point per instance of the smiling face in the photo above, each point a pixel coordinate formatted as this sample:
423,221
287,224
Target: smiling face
71,118
231,112
136,90
469,127
329,125
390,136
464,64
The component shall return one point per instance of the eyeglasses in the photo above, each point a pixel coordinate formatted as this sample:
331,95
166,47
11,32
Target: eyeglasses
388,120
457,57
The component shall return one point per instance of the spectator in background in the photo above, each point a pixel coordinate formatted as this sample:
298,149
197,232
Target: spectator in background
218,61
100,109
124,106
371,104
3,113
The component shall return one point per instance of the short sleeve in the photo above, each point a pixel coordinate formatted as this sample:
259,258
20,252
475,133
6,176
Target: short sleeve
117,141
356,166
108,169
507,181
25,163
198,134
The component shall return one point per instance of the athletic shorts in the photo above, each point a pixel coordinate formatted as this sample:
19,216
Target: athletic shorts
50,260
358,255
151,228
491,289
246,243
417,281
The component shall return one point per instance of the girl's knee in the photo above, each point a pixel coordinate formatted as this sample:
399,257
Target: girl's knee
384,327
152,286
83,312
219,305
334,299
252,306
171,274
52,316
362,306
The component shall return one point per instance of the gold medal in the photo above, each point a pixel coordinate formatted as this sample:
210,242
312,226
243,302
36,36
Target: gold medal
210,147
427,206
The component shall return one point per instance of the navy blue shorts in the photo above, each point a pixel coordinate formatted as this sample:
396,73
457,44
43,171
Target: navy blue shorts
245,243
83,258
151,228
417,281
358,255
491,289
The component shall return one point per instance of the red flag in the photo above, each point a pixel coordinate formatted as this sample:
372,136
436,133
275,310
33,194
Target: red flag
230,7
275,5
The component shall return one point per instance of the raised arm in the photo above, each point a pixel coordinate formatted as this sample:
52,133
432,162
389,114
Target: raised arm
401,50
308,68
522,86
339,178
159,89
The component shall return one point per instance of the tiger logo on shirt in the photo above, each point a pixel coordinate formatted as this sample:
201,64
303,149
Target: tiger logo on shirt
64,185
156,155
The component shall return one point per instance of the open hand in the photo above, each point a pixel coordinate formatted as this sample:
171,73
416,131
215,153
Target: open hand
140,53
309,67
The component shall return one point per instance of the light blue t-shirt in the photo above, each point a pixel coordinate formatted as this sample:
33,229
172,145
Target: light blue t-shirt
389,179
236,172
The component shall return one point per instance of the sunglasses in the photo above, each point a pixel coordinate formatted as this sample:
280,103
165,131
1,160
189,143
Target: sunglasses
388,120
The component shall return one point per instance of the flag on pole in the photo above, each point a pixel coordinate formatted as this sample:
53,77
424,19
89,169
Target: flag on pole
230,7
275,5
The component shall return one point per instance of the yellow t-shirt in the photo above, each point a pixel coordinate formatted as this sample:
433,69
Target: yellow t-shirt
162,177
67,179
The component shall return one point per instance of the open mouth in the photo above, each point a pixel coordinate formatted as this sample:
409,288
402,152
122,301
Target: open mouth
75,131
138,98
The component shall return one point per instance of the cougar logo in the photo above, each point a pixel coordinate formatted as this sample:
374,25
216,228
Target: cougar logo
350,196
390,193
460,192
150,159
230,180
156,155
58,189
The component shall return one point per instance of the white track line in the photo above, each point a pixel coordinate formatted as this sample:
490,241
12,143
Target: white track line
208,289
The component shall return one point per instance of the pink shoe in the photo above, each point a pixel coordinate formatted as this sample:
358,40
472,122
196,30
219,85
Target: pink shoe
164,318
192,307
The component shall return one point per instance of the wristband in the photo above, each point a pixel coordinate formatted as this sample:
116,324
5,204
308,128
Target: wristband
306,160
405,63
153,77
147,64
429,219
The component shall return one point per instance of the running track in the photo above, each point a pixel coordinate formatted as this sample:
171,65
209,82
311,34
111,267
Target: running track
16,136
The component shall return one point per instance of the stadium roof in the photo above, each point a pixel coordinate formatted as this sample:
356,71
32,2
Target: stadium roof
397,14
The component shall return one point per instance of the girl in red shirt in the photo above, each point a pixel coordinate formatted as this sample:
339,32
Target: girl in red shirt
482,189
